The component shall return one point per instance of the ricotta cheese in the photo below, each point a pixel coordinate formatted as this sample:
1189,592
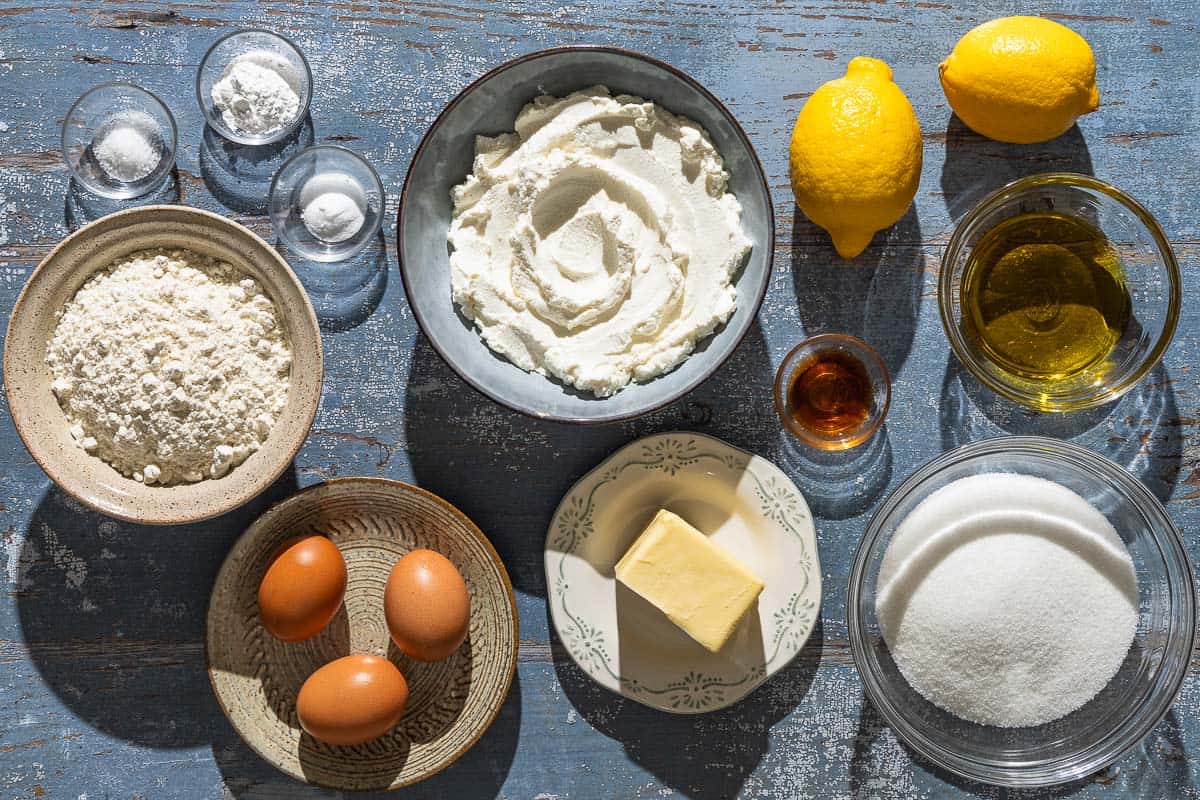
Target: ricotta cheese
171,366
597,243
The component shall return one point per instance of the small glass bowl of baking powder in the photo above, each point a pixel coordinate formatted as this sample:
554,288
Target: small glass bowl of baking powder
119,141
254,86
326,203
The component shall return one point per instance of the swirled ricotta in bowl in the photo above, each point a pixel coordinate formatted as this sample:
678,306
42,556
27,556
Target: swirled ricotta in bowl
597,243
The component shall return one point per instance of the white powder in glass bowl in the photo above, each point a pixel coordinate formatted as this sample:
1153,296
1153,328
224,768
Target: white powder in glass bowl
1007,600
257,93
126,148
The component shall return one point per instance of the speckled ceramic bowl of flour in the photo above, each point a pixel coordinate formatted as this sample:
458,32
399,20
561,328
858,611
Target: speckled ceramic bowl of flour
1135,699
40,421
444,159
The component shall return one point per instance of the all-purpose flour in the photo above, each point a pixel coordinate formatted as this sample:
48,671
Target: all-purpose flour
258,93
171,366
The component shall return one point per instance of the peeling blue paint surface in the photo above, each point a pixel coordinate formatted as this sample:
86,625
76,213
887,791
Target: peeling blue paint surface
103,692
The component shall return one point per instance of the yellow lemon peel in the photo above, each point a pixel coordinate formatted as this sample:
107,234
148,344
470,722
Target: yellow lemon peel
855,155
1020,79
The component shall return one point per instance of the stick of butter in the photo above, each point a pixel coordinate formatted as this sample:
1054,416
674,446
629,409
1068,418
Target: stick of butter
699,586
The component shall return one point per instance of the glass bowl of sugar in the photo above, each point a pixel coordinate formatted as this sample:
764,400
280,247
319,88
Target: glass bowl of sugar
254,86
1021,611
326,203
119,141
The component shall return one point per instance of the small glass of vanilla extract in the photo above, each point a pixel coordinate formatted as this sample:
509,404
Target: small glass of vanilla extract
832,391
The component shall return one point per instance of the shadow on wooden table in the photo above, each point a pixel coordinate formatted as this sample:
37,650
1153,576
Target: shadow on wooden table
843,484
82,206
1141,431
976,166
238,175
508,472
1157,767
343,294
700,756
479,773
875,296
113,615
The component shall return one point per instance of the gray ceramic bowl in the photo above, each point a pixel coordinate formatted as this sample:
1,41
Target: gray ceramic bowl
444,159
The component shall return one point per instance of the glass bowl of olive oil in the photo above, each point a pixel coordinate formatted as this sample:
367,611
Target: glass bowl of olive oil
1059,292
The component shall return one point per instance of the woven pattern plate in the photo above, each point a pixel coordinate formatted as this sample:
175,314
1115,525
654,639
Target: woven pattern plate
257,677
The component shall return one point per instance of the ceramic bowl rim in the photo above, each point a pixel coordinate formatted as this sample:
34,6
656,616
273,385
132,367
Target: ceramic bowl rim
254,487
760,291
303,494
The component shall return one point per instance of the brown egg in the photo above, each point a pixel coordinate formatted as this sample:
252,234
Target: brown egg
352,700
302,589
427,606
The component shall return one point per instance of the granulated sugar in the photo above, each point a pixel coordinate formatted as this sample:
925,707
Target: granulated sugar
1007,600
125,146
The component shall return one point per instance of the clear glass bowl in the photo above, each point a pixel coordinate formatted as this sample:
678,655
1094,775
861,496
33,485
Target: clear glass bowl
1134,701
1150,270
315,171
238,43
877,375
108,107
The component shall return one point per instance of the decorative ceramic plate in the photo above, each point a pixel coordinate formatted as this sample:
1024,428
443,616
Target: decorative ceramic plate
451,702
747,505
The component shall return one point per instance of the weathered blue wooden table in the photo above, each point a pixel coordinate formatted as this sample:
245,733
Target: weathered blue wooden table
103,692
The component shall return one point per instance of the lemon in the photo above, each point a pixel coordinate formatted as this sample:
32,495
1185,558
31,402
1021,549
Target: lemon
1020,79
855,157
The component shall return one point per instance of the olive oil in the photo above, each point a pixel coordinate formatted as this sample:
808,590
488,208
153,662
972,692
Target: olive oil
1044,296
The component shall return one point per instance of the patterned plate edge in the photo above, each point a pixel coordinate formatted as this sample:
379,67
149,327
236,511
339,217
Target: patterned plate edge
570,525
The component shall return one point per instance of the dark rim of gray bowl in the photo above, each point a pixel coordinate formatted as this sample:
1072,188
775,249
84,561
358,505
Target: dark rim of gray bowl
738,129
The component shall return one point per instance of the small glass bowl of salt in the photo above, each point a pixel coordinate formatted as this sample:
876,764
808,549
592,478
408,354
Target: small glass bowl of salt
119,141
326,203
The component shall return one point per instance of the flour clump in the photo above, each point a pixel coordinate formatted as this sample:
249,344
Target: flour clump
257,93
171,366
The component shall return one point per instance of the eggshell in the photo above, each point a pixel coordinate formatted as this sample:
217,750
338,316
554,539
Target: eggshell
352,700
302,588
427,606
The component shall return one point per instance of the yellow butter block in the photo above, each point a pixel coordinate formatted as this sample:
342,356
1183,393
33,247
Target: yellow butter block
699,586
